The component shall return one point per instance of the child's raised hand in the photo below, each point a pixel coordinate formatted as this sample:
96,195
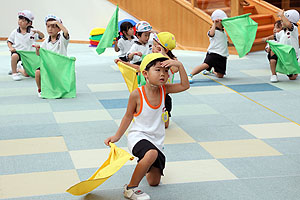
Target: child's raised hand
280,13
111,139
171,63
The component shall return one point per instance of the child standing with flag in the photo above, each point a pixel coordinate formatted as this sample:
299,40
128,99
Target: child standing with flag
217,51
147,132
56,42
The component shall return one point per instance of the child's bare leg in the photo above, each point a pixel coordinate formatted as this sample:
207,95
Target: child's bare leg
14,61
153,176
23,72
38,79
273,66
199,68
272,63
142,167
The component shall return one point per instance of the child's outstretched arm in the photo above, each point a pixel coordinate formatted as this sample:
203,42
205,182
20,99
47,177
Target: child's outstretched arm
271,37
184,82
131,108
41,35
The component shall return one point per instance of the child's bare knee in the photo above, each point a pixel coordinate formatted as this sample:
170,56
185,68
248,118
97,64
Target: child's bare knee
293,77
154,183
15,57
152,153
220,75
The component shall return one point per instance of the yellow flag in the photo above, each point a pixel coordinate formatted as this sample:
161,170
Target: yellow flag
129,75
117,158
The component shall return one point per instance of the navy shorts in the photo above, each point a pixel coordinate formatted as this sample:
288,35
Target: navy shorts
272,57
216,61
17,54
142,147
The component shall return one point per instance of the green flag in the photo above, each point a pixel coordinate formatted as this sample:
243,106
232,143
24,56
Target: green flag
242,31
287,60
110,33
30,61
57,75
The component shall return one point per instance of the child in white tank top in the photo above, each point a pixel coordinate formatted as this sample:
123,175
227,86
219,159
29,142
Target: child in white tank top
146,136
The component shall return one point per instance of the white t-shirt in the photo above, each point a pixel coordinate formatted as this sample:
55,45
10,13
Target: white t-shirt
125,45
218,43
138,47
289,37
148,123
59,46
23,41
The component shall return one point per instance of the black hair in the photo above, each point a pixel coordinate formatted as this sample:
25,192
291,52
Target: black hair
22,17
278,23
51,19
153,62
125,26
139,34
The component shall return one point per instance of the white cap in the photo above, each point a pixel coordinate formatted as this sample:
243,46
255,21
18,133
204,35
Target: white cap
143,26
27,14
292,16
218,14
50,16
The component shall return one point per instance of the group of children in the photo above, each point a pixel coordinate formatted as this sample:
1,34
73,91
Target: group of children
150,53
25,37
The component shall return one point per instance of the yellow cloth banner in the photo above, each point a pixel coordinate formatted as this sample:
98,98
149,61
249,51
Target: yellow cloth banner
117,158
129,75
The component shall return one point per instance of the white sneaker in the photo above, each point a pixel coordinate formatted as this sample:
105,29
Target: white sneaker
135,194
205,72
190,77
16,77
274,79
39,94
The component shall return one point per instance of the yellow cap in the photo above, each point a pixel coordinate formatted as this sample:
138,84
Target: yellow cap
150,57
166,39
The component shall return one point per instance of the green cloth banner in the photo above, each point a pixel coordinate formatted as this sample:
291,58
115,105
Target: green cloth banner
242,31
287,60
30,61
110,33
57,75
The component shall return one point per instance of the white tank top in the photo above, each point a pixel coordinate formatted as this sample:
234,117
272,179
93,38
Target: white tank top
148,122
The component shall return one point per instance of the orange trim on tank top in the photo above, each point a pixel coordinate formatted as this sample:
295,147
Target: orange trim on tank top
153,107
141,104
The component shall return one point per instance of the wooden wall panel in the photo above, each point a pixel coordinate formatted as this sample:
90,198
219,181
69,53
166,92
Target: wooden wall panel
188,24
